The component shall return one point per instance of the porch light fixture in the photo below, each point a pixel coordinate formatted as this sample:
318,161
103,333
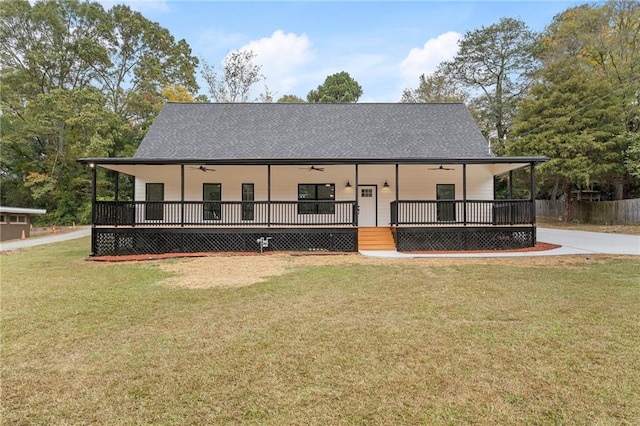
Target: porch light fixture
348,185
386,184
92,165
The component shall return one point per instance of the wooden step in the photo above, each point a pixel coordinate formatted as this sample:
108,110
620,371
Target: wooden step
379,238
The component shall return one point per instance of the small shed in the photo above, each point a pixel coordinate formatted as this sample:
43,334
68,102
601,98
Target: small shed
16,220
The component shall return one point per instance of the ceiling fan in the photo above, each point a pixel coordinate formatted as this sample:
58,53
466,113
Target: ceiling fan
204,169
318,169
441,168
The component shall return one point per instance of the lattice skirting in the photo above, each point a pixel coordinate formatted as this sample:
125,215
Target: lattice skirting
461,239
123,241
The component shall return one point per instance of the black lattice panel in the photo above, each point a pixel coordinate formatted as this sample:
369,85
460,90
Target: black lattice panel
108,242
461,239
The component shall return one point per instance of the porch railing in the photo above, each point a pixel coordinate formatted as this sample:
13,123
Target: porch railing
458,212
225,213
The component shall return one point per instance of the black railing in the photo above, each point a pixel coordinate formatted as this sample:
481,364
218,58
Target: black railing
458,212
225,213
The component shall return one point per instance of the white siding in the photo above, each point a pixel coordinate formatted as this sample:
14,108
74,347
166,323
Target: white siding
417,182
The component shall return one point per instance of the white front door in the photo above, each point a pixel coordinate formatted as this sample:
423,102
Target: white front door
367,205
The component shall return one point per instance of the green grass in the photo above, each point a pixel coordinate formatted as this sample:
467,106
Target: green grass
412,343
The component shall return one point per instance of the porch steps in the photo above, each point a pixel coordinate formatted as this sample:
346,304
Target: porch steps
375,239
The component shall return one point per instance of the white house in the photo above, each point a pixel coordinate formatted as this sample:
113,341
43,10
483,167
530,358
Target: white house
228,177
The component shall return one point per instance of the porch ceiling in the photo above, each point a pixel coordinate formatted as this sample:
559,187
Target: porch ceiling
498,165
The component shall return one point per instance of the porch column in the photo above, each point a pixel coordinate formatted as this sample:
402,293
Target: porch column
94,180
93,193
532,187
182,195
357,212
511,184
464,194
116,196
397,183
268,195
116,188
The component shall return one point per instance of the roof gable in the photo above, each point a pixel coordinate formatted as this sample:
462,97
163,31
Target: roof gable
253,131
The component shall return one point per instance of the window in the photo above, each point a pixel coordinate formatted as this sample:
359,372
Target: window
247,195
446,209
154,197
14,218
366,192
322,192
3,218
211,197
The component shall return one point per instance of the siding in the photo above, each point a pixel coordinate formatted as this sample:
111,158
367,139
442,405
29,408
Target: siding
417,182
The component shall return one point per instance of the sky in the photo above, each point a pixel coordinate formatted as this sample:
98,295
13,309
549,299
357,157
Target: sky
384,45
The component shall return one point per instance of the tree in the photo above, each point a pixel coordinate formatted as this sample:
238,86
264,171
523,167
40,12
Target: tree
495,62
76,81
588,56
569,117
337,88
291,99
144,58
436,87
239,75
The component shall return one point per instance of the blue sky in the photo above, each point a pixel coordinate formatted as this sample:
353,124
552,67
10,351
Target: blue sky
385,46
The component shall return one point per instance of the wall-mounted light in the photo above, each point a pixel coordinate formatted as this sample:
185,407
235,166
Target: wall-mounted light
92,165
386,184
348,185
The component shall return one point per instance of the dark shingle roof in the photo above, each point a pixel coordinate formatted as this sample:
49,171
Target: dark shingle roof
253,131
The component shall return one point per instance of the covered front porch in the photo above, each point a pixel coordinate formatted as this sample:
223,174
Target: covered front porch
309,207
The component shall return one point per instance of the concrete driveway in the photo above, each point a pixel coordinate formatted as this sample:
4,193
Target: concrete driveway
82,231
570,242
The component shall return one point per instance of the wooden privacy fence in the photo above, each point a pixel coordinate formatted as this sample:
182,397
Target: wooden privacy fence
621,212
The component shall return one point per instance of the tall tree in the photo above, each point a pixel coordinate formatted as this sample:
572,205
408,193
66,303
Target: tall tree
239,75
337,88
582,111
144,59
76,81
494,62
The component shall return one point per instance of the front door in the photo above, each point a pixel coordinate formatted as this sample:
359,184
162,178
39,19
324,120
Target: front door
367,205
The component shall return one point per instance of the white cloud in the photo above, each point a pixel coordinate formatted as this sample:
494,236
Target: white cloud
425,60
281,55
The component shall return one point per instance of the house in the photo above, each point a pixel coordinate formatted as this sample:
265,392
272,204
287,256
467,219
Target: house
292,177
15,222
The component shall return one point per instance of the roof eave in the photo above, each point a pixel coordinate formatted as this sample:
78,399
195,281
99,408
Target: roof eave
309,161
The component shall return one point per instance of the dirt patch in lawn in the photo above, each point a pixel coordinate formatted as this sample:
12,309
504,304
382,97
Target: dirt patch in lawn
238,271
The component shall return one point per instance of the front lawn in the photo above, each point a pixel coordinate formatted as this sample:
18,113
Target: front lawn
325,340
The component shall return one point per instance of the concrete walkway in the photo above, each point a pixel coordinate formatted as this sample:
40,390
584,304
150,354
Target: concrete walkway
570,242
83,231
